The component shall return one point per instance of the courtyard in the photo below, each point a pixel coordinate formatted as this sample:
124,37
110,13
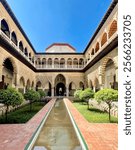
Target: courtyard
97,136
65,88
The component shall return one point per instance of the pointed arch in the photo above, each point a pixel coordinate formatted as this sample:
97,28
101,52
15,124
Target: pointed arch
104,39
72,88
28,84
113,28
14,38
81,85
26,52
92,52
90,84
108,72
97,47
21,46
5,27
38,85
96,84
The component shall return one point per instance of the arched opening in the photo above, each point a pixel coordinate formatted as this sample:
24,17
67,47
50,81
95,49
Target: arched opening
5,27
97,47
92,52
30,56
14,38
38,86
62,63
81,85
33,59
113,28
49,63
60,82
7,74
48,88
43,63
97,86
75,63
81,63
56,63
110,75
38,63
21,46
28,85
90,85
22,85
104,39
69,63
32,85
26,52
72,88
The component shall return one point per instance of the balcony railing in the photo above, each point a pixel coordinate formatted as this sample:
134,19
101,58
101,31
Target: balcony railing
57,66
4,36
60,67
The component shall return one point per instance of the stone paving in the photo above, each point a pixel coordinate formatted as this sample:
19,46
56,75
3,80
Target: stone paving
16,136
97,136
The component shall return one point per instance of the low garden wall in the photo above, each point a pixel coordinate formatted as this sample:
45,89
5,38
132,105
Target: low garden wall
104,107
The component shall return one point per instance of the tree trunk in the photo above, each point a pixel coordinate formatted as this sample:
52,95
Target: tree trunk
6,114
109,112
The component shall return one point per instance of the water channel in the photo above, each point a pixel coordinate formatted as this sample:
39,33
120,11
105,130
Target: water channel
58,132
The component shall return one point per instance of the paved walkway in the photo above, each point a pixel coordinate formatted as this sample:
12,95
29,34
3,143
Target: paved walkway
97,136
16,136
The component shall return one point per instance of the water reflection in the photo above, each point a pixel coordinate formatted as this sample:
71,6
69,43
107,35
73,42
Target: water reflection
57,132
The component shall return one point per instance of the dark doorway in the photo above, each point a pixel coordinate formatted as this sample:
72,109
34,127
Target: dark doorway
60,89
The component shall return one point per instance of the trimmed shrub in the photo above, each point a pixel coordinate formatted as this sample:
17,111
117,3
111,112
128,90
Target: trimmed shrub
86,95
108,96
10,97
42,93
77,94
32,96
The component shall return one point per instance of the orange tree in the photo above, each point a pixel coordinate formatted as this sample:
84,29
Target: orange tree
108,96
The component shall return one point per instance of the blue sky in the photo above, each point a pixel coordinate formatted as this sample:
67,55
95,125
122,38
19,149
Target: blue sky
67,21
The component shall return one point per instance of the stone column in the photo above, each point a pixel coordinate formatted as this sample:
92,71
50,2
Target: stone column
1,72
101,82
94,88
52,92
67,91
16,80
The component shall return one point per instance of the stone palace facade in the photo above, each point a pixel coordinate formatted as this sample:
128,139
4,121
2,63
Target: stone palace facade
60,69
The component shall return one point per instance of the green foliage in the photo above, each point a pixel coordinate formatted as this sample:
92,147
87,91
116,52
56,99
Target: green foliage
42,93
77,94
11,97
94,115
86,94
22,115
107,95
32,95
